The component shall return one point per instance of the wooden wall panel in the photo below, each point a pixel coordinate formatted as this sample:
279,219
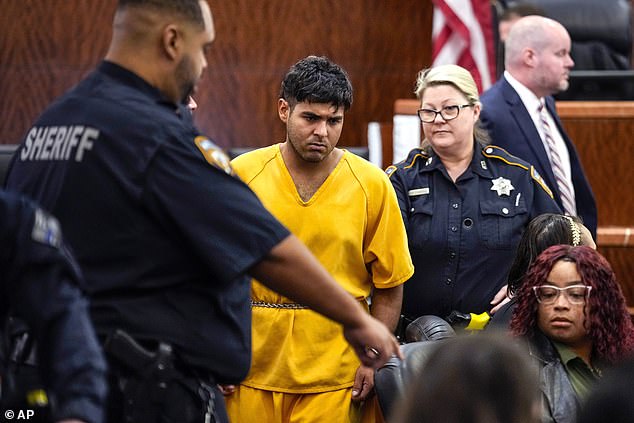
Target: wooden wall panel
622,261
606,150
602,132
47,46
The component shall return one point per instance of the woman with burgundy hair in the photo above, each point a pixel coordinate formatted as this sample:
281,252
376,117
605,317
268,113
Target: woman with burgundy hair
544,231
572,311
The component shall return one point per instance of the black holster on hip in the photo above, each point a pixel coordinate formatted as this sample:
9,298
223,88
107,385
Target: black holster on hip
148,386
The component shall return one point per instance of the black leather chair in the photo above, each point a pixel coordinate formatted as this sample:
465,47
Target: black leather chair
429,328
236,151
359,151
391,380
6,153
601,30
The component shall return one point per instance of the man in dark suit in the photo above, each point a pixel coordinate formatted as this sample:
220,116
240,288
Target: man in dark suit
519,112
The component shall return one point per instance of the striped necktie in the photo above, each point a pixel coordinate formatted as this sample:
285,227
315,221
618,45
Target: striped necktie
565,190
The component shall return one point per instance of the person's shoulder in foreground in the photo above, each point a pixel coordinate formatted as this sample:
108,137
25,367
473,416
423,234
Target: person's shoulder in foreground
463,380
41,283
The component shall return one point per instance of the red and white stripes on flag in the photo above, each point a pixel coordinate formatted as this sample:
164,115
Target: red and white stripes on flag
462,35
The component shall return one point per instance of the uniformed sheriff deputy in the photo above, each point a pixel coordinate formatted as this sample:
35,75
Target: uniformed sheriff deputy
465,204
166,235
40,283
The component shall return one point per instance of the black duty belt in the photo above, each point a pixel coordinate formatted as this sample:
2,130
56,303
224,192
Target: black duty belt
154,370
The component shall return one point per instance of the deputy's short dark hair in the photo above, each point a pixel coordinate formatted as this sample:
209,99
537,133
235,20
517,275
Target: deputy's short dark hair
188,9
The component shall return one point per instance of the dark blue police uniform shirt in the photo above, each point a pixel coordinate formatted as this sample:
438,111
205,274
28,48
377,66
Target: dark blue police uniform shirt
463,236
41,284
161,228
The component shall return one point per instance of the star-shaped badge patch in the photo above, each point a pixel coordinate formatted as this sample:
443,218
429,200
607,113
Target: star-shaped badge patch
503,186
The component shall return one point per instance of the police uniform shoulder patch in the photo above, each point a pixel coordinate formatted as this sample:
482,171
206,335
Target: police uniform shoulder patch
414,155
390,170
495,152
409,161
538,178
46,229
213,154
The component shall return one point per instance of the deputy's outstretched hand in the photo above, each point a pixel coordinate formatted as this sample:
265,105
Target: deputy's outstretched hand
372,341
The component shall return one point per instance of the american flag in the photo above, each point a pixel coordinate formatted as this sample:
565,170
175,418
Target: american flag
462,34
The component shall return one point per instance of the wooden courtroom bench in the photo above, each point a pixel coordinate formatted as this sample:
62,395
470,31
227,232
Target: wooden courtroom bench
603,135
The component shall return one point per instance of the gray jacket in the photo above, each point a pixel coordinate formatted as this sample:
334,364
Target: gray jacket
559,400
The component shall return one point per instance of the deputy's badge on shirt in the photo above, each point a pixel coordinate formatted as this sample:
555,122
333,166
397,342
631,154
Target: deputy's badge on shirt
503,186
46,229
214,155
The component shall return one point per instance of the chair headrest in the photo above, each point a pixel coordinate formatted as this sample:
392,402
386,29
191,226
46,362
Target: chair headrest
607,21
428,328
391,380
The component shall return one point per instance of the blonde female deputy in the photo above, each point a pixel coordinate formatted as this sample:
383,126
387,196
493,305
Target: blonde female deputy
465,203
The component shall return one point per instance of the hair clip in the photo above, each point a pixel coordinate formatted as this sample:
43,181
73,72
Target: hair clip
576,233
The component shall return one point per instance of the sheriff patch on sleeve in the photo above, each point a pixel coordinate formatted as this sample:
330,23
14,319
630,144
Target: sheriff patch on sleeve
214,155
46,229
538,178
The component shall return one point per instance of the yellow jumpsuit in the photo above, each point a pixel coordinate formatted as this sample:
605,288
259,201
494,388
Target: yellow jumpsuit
302,368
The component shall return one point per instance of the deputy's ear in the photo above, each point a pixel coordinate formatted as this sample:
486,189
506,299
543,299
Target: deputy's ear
477,108
172,40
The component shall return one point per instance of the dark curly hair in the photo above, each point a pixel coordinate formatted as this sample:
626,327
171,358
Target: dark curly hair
317,80
608,322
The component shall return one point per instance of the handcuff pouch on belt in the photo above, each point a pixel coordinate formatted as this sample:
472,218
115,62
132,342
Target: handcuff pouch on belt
150,380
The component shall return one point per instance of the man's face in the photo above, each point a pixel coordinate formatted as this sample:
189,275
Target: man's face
551,74
563,321
193,63
312,129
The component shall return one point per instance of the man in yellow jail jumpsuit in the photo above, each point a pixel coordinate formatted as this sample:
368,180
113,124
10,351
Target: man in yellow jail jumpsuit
345,210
